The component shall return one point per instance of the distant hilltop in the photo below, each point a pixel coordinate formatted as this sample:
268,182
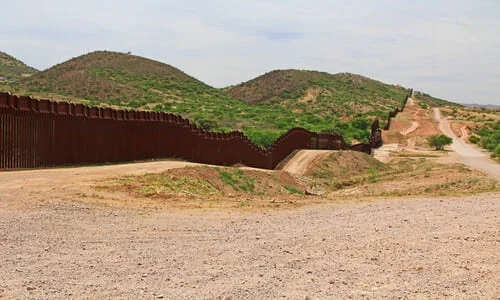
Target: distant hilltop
487,106
12,68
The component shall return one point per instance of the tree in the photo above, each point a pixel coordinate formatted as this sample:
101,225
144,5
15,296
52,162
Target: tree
439,141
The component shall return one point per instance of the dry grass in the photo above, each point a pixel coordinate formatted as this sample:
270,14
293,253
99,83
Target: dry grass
349,176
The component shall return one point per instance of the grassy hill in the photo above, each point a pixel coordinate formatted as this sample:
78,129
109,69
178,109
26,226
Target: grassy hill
113,78
263,108
428,99
12,68
324,94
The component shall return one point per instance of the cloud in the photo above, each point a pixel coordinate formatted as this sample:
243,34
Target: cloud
447,48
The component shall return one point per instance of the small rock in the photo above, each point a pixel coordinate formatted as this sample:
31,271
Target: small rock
30,288
310,192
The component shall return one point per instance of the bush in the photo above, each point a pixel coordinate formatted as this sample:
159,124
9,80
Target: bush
361,123
474,139
439,141
496,152
208,124
491,140
423,105
263,138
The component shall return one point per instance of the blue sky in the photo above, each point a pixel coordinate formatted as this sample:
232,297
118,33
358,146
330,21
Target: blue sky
446,48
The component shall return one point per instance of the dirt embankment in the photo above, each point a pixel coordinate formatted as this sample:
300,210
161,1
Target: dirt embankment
304,160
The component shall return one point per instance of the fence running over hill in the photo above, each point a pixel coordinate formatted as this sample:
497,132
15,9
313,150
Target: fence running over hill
397,110
43,133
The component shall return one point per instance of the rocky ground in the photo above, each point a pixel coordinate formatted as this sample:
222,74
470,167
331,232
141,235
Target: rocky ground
382,248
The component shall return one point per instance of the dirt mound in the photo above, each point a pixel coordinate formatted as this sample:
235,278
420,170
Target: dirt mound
207,182
345,164
418,176
302,161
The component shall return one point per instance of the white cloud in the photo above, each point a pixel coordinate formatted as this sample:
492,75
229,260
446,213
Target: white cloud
447,48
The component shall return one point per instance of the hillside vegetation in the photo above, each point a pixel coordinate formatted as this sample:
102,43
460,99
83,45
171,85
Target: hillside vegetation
324,94
428,99
262,108
12,69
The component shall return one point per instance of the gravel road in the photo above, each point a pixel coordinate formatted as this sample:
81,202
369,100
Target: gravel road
391,248
468,154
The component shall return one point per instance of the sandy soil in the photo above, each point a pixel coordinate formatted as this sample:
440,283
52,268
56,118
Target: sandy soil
410,105
390,248
24,189
412,127
464,134
302,161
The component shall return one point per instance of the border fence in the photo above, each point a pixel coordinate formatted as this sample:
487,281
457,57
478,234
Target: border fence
397,110
43,133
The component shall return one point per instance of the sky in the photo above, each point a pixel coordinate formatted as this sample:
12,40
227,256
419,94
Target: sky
447,48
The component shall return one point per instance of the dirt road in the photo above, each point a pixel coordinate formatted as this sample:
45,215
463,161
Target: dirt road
467,154
18,187
464,134
412,128
414,124
302,161
394,248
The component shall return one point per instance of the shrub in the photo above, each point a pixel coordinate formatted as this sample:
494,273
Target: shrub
474,139
491,140
263,138
439,141
496,151
208,124
361,123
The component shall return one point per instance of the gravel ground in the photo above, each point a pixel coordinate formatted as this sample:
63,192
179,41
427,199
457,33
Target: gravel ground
385,248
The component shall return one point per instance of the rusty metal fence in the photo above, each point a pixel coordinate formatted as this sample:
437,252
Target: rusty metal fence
43,133
397,110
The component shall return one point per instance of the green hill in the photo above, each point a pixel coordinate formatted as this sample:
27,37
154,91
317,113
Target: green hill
263,108
115,79
324,94
12,68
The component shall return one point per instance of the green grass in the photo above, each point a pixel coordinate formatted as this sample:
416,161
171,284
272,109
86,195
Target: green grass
158,183
238,180
293,190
